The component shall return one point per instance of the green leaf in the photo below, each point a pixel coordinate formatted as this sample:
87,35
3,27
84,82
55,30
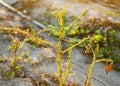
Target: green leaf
18,67
12,75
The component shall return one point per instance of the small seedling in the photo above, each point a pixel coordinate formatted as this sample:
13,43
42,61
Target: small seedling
14,47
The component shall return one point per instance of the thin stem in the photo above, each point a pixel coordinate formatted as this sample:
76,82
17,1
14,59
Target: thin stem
44,30
89,76
14,29
15,44
59,63
59,59
15,56
72,23
94,55
49,43
90,69
26,33
68,65
75,45
104,60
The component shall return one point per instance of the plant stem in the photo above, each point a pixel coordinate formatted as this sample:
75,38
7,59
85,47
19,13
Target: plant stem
90,69
83,40
59,59
59,63
15,45
68,65
14,29
89,76
29,35
72,23
15,57
104,60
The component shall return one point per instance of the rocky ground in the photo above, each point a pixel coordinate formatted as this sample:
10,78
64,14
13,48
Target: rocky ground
41,67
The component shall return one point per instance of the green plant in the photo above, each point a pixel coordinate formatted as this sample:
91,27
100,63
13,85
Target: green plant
14,47
7,74
69,64
33,37
107,38
88,40
10,72
94,61
61,32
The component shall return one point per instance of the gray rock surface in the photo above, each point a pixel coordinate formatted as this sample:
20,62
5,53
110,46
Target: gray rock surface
45,58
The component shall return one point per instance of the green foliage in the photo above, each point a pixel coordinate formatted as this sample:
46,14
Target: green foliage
14,47
69,30
97,38
10,72
61,31
107,39
93,41
94,37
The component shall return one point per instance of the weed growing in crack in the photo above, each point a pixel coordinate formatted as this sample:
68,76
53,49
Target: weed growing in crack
61,32
14,47
90,42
